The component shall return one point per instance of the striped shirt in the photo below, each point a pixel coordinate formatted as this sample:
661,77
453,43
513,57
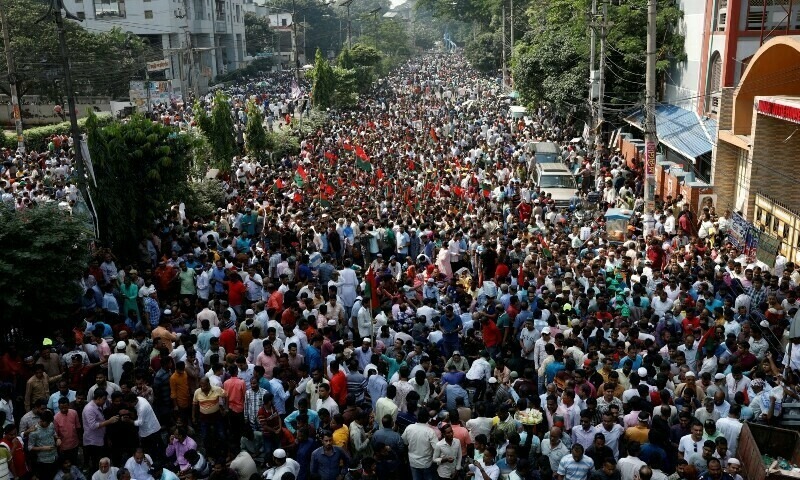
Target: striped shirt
572,469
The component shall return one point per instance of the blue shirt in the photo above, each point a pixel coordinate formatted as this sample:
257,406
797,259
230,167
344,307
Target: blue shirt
450,325
452,392
313,358
552,369
304,452
376,387
313,419
52,403
327,466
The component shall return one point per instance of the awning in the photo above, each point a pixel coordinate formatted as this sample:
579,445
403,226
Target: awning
681,130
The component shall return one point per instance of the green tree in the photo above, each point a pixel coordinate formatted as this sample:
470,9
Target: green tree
324,82
255,135
346,93
484,52
45,250
141,168
362,59
364,56
550,62
104,62
257,32
218,130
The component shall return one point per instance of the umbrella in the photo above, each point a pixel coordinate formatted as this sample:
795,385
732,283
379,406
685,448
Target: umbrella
261,84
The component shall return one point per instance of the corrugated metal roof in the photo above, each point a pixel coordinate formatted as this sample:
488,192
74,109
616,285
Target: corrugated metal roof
682,130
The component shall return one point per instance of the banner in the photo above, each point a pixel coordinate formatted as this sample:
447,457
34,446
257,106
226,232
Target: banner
158,65
160,92
767,249
743,235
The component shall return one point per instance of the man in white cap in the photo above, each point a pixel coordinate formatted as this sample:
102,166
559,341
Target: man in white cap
733,468
282,465
116,360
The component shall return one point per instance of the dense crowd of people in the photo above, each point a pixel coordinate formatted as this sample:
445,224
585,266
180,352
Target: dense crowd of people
402,298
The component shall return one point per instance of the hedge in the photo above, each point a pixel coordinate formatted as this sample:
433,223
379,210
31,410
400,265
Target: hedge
36,137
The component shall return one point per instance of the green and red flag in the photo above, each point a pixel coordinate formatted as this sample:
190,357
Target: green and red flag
300,176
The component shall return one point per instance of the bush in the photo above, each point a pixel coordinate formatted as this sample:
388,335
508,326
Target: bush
36,137
281,144
204,197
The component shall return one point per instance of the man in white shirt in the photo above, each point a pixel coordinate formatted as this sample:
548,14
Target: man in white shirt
447,454
325,401
421,443
282,466
629,466
479,373
139,465
730,427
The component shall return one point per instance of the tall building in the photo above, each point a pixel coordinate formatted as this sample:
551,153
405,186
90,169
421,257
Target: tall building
200,38
721,39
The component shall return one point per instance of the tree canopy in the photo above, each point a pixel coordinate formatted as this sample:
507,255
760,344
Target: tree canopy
141,168
257,32
218,130
103,62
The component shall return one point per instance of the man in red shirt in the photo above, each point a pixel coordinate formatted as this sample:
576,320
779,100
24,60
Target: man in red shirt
227,338
236,291
338,384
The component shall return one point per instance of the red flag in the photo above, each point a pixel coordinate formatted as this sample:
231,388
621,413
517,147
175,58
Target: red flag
379,173
328,190
302,172
410,164
297,198
331,157
279,183
372,287
433,135
347,147
458,191
361,153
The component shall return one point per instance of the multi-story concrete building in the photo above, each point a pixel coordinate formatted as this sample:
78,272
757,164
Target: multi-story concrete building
721,39
200,38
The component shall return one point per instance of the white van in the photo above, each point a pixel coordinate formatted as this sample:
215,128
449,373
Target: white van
557,180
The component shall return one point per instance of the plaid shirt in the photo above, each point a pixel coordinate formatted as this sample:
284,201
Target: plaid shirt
757,297
252,402
153,311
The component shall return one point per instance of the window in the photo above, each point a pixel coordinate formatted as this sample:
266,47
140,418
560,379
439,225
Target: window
148,14
722,15
714,84
767,14
81,15
78,1
283,22
109,8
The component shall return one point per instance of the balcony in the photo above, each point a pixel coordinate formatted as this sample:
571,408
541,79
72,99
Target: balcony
220,26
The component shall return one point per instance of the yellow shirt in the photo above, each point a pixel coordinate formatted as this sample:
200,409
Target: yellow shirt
341,436
208,403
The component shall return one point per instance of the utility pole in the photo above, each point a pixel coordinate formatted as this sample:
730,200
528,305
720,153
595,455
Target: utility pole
511,26
80,168
347,4
294,41
650,135
592,48
504,45
598,129
12,80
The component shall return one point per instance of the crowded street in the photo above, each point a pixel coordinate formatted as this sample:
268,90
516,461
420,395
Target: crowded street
420,291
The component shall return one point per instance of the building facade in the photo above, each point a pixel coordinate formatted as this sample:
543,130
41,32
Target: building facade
721,39
757,158
200,38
